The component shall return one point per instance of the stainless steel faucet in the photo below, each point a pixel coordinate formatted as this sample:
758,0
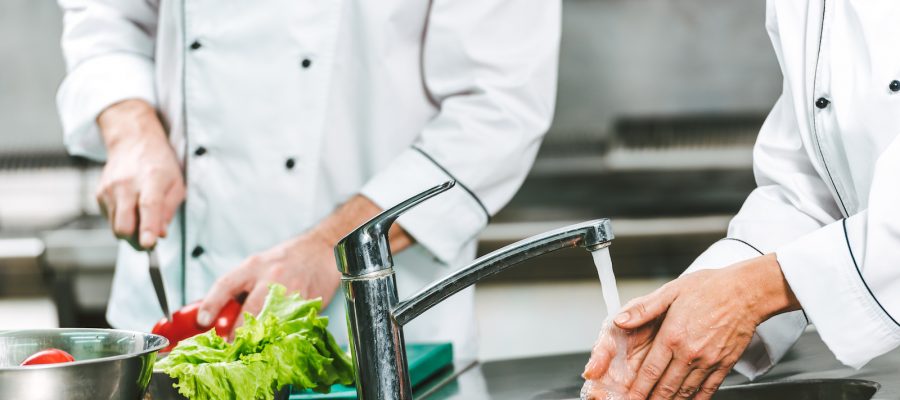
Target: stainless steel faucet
376,317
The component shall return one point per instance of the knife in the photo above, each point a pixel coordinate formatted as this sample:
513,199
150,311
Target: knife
156,278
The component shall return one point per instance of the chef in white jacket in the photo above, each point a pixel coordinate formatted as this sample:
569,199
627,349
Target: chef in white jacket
248,137
821,231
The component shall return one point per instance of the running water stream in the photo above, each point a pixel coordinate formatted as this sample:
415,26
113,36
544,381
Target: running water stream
607,281
611,386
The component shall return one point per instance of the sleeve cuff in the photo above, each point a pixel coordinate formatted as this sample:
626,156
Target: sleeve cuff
822,273
774,337
94,85
772,340
443,224
724,253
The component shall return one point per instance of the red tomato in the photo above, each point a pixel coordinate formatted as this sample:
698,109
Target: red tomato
184,323
162,328
48,356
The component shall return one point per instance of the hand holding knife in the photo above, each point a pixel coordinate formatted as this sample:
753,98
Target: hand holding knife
182,324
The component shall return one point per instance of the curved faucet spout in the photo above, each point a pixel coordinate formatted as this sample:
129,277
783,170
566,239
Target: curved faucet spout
592,235
375,314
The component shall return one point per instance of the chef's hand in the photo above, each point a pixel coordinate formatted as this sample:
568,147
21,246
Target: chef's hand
708,319
141,185
615,359
304,264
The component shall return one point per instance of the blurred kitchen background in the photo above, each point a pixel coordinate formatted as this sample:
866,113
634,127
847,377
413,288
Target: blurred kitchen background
659,104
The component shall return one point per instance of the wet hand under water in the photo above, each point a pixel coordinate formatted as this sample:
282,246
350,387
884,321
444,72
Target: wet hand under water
684,338
615,359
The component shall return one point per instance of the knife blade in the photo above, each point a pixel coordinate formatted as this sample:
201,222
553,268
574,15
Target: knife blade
156,279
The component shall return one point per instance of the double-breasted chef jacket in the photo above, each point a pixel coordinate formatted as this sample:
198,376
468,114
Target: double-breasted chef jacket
280,110
827,165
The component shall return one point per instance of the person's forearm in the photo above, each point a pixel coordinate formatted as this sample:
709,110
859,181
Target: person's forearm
125,119
773,295
351,215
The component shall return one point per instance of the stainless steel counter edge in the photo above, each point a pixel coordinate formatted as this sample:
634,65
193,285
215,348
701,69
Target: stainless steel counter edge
526,378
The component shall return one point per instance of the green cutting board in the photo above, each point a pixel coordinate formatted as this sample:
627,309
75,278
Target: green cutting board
424,359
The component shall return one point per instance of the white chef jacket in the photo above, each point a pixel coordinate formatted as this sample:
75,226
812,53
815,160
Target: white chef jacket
827,164
299,105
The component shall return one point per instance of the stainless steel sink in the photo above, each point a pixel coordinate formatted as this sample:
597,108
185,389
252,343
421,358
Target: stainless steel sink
799,376
818,389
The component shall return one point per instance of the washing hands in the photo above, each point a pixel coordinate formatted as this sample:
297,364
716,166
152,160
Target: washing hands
682,340
614,361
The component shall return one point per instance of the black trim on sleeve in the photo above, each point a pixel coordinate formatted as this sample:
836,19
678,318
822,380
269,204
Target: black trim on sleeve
458,182
871,293
748,244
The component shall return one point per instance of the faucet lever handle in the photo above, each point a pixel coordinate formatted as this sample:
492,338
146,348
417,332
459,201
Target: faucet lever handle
366,250
384,220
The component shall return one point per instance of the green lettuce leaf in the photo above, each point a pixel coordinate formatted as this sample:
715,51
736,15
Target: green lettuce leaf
288,343
204,348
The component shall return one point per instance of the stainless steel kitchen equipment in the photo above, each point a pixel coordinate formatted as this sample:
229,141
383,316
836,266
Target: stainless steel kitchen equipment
79,261
812,389
110,364
375,315
807,389
808,372
20,273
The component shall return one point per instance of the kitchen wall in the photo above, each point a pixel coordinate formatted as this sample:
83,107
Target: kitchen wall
31,68
633,58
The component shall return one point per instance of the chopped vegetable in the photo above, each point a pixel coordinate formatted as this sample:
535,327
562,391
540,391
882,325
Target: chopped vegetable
288,343
48,356
183,323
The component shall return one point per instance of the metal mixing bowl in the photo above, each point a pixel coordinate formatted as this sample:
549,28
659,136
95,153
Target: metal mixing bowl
110,364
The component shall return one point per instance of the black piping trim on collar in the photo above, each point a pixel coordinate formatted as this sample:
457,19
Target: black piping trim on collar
458,182
871,293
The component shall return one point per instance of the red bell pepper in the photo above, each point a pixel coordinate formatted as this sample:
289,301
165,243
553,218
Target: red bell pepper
184,323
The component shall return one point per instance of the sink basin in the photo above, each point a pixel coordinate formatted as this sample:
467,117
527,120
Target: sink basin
819,389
